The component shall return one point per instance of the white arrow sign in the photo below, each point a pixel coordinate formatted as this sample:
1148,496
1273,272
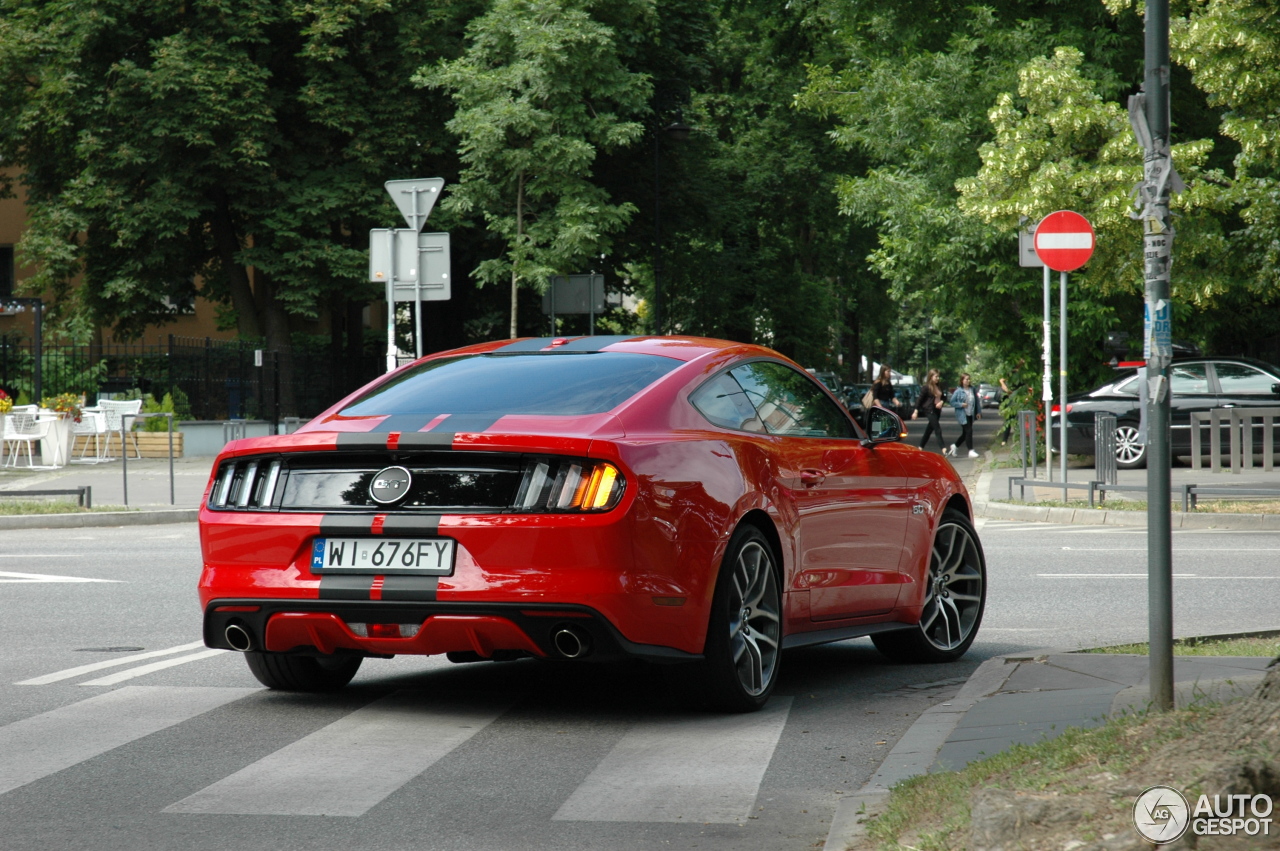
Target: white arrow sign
415,198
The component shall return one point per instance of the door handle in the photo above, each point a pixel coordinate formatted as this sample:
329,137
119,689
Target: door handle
809,478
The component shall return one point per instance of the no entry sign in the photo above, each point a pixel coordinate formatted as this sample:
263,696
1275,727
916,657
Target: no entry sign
1064,241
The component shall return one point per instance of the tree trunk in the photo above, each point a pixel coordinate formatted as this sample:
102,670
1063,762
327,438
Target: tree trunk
227,242
515,255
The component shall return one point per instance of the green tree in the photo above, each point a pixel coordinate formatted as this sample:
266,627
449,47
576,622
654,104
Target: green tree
243,142
540,90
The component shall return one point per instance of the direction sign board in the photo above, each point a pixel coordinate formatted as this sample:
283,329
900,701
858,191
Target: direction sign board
416,263
574,294
1064,241
415,198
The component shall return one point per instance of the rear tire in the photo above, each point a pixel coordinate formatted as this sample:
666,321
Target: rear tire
295,672
1131,452
955,597
744,639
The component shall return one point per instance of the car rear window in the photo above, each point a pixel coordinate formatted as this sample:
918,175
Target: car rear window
566,384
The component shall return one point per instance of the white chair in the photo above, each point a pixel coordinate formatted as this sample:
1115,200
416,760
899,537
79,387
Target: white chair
92,425
120,417
20,428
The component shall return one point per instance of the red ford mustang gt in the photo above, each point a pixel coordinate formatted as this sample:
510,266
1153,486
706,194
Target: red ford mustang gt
675,499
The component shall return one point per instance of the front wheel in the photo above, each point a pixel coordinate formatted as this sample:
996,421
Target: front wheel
295,672
1131,452
744,640
955,596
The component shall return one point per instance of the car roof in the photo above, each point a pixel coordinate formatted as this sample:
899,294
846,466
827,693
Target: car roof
683,348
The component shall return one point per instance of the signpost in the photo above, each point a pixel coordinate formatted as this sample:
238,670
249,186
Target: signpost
575,294
413,265
1149,116
1064,242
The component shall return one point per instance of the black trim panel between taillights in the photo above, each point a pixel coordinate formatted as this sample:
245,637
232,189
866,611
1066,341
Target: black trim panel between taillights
438,482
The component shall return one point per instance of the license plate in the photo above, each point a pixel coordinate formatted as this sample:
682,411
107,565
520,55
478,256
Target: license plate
422,556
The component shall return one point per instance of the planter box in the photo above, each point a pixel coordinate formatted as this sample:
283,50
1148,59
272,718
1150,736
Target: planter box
151,444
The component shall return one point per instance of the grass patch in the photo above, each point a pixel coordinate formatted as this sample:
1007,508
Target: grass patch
1110,505
9,508
1239,506
931,812
1258,645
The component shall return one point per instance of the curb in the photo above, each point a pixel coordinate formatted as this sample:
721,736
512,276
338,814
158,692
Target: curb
917,749
1102,517
100,518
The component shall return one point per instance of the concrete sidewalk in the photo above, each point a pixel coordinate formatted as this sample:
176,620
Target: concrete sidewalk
149,495
1023,698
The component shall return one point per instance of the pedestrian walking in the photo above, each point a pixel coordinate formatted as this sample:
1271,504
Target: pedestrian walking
929,405
882,390
968,407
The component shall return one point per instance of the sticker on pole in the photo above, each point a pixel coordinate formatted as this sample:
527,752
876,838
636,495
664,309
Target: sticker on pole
1064,241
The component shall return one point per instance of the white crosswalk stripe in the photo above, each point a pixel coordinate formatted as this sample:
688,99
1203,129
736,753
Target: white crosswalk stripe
38,746
37,578
80,670
694,769
142,670
354,763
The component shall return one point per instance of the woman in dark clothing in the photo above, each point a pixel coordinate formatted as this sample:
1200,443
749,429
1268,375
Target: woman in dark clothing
882,389
929,405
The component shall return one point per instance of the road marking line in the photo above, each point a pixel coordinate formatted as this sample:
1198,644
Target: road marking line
690,770
351,765
110,663
33,555
43,744
9,576
1108,575
112,679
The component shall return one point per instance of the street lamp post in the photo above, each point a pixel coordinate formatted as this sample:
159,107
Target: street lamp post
678,132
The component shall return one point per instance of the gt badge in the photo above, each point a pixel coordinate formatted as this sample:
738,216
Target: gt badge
390,484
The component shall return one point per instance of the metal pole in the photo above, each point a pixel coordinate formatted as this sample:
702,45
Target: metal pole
172,498
657,240
1157,244
1047,391
38,378
391,307
124,460
1062,371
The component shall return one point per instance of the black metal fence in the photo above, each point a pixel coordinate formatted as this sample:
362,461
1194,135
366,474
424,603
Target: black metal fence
219,379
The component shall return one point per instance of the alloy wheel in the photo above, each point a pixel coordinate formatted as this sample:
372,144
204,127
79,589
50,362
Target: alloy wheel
953,600
1129,446
755,623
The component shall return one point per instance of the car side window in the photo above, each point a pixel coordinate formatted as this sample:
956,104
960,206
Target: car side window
1128,388
1189,378
789,403
723,402
1238,378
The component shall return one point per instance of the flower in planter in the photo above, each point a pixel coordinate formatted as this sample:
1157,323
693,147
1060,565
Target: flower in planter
6,403
64,403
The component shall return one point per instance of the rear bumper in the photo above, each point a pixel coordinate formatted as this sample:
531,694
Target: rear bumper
486,629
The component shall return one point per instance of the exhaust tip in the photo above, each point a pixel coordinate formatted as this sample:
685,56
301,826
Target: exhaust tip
238,637
571,642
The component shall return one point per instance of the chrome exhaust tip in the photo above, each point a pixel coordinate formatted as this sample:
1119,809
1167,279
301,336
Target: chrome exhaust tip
571,642
238,637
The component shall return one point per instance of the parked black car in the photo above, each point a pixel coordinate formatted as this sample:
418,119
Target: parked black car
989,394
1197,384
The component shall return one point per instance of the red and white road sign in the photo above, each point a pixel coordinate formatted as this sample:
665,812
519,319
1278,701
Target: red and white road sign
1064,241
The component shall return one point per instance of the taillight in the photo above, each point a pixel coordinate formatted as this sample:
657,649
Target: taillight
553,484
1053,412
247,483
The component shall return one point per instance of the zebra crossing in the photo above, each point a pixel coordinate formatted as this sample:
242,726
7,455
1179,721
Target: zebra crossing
680,768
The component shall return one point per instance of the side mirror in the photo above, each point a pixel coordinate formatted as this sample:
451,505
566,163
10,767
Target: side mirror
883,426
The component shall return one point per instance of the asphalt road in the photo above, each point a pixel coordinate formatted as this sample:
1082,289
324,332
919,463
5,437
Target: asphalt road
184,750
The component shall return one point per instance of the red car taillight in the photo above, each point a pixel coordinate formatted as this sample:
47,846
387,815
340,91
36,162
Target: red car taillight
570,485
